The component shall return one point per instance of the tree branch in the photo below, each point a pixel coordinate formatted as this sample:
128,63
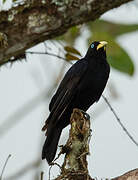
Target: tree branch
131,175
119,121
75,166
76,149
30,166
34,21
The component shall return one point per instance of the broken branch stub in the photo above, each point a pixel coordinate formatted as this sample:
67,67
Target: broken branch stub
76,149
75,166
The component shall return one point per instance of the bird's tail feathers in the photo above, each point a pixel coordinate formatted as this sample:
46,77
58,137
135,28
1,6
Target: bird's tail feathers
50,145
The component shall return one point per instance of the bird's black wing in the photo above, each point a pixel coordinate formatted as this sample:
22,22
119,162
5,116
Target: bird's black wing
69,82
66,90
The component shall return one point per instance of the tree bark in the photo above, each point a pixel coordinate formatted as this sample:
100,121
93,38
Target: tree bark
75,165
131,175
35,21
76,149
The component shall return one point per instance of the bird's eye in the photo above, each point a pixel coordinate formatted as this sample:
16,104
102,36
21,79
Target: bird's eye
92,45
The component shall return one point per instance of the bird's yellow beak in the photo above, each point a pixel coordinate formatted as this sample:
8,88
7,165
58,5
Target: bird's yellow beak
101,44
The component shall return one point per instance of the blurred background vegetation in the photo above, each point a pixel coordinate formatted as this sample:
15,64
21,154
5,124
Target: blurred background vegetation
104,30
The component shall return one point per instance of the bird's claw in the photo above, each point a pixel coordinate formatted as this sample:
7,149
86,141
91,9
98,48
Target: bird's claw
86,115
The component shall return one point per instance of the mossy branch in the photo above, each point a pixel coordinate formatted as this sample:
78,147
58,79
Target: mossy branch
35,21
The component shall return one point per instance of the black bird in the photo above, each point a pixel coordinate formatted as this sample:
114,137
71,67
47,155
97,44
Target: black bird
81,86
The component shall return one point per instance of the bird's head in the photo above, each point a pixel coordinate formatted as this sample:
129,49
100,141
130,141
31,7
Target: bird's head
98,49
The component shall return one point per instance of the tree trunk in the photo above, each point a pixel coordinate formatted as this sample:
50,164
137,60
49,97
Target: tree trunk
38,20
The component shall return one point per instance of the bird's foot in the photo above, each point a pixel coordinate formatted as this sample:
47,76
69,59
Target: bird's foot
65,149
86,115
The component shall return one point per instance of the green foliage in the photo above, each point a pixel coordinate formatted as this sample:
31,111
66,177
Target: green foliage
117,56
103,30
119,59
112,28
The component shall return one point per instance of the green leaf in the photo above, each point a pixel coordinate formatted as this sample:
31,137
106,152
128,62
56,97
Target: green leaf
71,57
114,29
120,60
72,50
116,55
